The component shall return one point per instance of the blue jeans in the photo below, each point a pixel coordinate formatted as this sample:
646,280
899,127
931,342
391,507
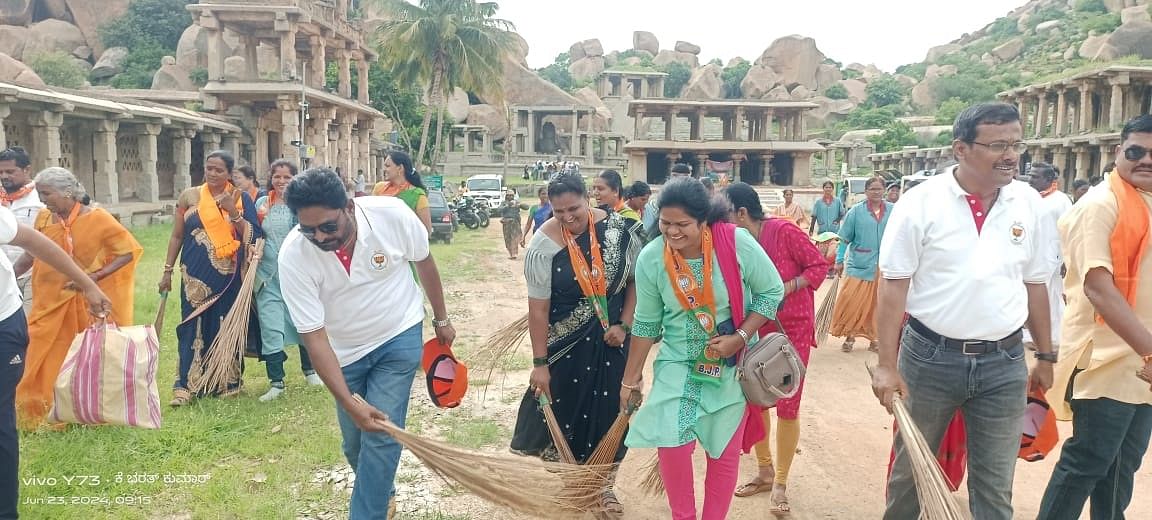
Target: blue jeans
1108,442
384,379
991,390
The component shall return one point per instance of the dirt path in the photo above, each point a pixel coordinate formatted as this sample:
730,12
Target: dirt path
845,437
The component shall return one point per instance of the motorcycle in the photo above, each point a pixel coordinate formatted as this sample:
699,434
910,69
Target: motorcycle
467,214
482,212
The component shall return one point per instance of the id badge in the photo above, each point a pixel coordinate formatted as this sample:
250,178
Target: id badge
707,369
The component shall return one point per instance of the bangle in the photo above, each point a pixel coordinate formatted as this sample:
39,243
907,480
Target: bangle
634,388
540,361
744,335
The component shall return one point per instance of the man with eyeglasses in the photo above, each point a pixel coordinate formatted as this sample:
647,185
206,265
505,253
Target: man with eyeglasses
1103,380
19,195
963,256
345,277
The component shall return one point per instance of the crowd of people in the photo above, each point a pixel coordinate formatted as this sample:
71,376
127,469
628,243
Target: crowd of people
951,284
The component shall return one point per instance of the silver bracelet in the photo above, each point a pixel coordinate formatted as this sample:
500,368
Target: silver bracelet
744,335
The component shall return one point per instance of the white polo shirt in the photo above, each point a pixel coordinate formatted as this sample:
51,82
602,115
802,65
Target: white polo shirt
25,209
967,284
377,300
10,299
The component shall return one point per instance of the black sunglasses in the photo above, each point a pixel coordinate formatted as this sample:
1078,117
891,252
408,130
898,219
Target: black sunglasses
327,228
1135,152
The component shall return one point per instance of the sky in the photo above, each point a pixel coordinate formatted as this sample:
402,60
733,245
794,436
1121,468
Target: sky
888,33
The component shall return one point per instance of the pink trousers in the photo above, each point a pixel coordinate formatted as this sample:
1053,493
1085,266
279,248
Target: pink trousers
719,481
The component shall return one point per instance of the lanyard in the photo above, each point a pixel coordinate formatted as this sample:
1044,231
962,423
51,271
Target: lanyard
67,223
592,279
694,298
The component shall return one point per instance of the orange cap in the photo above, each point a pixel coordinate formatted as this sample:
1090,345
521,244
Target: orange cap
447,377
1040,434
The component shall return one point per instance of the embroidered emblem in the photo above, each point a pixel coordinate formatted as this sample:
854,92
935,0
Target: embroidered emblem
1017,230
379,260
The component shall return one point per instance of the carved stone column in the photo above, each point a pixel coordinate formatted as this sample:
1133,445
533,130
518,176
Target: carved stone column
104,154
319,62
1085,108
287,31
362,81
182,156
345,73
1061,112
46,149
148,182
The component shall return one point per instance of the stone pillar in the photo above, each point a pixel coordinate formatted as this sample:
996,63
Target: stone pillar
290,127
148,182
643,89
362,82
231,144
1061,112
365,146
319,62
182,156
738,125
5,111
737,160
1022,107
801,169
1116,104
488,142
1083,162
532,131
574,141
318,135
46,149
214,34
668,121
801,127
638,133
1060,158
701,114
1041,117
1085,108
346,120
211,141
249,43
701,164
104,154
766,168
345,73
286,29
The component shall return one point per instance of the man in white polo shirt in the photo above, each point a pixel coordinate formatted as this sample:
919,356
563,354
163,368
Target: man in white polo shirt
19,195
14,339
963,256
345,277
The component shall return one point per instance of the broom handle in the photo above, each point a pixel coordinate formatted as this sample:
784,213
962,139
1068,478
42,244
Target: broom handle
558,439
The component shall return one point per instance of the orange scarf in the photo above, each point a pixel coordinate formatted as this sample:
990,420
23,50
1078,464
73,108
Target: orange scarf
262,211
220,231
1129,237
8,198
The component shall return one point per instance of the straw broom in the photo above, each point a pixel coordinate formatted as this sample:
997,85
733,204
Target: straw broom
824,314
554,430
501,345
226,354
537,489
605,452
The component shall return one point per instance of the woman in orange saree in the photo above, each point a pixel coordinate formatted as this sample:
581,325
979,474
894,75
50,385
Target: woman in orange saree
104,249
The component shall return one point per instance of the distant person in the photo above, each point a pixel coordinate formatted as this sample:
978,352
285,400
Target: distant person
1043,178
20,197
402,181
244,178
857,258
791,211
893,194
538,214
510,222
636,197
609,193
1079,188
361,183
827,212
651,211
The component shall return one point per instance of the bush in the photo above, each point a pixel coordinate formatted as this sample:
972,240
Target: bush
57,69
885,91
913,70
678,76
140,66
732,77
944,139
1101,23
557,72
199,76
1091,6
949,109
150,30
851,74
1003,28
1046,14
896,136
836,91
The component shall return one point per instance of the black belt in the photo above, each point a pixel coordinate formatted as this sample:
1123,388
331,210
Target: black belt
971,347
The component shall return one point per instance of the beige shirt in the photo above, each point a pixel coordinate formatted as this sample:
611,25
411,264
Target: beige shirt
795,213
1109,365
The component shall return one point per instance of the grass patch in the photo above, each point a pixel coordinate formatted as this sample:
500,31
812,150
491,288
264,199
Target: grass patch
472,432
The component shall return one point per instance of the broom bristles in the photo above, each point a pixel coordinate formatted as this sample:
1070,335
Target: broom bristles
554,430
226,353
500,346
653,483
936,500
824,314
609,444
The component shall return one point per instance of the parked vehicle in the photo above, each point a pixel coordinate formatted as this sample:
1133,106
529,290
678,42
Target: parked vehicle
489,191
468,213
442,217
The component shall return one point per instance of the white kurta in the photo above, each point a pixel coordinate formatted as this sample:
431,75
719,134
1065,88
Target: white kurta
1054,206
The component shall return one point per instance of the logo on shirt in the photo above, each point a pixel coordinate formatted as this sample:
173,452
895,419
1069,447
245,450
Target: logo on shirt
1017,231
16,360
379,260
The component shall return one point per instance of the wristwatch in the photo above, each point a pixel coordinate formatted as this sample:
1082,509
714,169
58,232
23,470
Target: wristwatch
1050,357
441,323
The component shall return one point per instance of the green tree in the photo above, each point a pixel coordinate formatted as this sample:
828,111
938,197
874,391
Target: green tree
949,109
678,76
444,44
557,72
732,77
895,136
150,30
885,91
1091,6
836,91
58,69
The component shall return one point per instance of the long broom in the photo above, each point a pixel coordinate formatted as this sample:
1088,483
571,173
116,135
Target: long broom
824,314
500,346
554,430
932,490
537,489
226,355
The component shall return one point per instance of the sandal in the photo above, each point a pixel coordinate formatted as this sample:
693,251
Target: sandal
780,507
755,487
611,505
180,397
847,346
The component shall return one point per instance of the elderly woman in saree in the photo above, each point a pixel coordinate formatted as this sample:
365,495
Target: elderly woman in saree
580,299
214,228
104,249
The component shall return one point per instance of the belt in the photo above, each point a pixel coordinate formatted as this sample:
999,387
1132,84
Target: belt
969,347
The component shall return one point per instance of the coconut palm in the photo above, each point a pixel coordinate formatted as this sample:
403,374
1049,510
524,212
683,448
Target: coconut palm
441,45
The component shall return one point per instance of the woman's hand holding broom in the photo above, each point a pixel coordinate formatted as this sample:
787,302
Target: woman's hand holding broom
540,380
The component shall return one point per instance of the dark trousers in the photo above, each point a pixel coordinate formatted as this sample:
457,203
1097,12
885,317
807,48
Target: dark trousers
13,350
275,365
1108,441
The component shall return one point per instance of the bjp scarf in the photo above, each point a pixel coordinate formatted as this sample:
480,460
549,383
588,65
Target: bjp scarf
220,231
8,198
1129,237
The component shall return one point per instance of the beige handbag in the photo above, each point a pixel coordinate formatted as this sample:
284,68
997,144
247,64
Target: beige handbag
770,369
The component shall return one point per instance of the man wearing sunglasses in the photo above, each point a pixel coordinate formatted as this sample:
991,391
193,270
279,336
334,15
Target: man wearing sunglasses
345,277
19,195
963,255
1103,381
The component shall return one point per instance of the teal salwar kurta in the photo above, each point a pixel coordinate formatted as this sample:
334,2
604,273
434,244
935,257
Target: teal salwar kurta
276,328
679,410
827,215
860,236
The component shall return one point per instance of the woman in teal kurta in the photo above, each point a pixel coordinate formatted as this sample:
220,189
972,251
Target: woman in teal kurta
859,258
276,328
681,407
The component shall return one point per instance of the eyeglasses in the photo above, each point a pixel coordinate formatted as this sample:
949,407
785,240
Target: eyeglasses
1135,152
999,147
328,228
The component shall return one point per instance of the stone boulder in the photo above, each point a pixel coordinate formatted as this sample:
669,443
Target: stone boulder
666,57
735,62
57,9
829,111
192,50
172,76
1115,6
1071,53
801,93
592,47
690,48
940,51
924,93
705,84
524,87
457,105
602,119
795,58
1135,14
907,81
645,41
633,61
612,59
988,59
867,72
13,71
520,52
758,82
83,65
1009,50
235,68
16,12
1049,25
860,135
50,36
83,52
12,40
586,69
576,52
491,117
827,75
857,90
778,93
110,63
1133,38
1092,45
90,16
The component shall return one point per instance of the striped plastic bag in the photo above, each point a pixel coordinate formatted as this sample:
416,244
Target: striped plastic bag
109,377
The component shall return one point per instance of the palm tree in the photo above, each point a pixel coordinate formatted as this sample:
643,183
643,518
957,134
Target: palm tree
444,44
